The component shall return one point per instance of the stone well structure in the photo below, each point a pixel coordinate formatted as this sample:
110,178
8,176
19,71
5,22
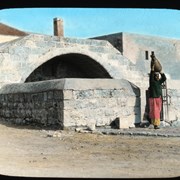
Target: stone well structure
64,103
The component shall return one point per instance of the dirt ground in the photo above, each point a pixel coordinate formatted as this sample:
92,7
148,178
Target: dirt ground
42,153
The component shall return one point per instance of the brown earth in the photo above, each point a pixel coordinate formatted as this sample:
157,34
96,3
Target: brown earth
42,153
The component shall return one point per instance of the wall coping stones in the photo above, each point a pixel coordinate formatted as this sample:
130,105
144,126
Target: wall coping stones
70,83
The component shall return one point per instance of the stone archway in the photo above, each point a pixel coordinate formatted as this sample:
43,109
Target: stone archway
72,65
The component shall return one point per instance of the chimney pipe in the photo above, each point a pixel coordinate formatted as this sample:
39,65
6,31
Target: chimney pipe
58,27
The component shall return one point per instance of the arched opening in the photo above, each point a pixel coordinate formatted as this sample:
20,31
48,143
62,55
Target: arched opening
68,66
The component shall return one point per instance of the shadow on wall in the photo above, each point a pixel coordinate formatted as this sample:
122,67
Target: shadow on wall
137,105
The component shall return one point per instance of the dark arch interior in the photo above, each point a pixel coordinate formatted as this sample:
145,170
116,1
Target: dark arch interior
68,66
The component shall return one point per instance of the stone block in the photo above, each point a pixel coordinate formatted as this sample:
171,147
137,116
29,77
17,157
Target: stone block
67,94
50,95
133,101
126,122
102,93
123,123
58,95
82,94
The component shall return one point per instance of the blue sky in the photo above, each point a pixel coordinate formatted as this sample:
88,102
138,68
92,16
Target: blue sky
91,22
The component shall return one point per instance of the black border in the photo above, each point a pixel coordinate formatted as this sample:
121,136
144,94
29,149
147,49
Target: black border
9,4
167,4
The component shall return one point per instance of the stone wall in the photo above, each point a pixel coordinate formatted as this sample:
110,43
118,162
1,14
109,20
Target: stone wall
40,108
136,47
166,50
71,103
27,55
173,99
100,107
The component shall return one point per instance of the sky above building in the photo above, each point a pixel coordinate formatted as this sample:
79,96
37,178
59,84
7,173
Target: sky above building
92,22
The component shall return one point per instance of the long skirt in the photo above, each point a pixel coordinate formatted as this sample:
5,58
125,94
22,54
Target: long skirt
155,106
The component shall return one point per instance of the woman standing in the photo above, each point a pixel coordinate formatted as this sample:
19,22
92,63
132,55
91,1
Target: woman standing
155,94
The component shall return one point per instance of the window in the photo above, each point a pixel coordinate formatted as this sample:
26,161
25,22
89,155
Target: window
146,55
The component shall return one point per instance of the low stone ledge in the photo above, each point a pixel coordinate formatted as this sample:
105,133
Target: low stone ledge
164,132
70,83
